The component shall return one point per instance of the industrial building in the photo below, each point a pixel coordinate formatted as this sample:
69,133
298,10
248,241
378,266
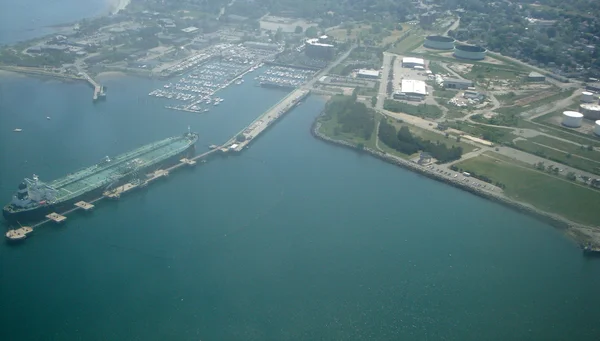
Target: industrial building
597,128
572,119
439,42
455,83
411,62
316,49
590,111
536,77
371,74
587,97
190,29
594,87
411,88
470,52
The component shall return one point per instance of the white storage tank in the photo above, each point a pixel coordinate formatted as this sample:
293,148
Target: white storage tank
572,119
587,97
590,111
597,128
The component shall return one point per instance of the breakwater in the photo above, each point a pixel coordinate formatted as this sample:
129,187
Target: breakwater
582,234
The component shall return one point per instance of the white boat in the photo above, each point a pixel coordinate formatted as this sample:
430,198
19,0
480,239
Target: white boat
18,130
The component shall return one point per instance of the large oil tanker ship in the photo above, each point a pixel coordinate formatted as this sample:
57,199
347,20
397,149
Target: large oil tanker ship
34,198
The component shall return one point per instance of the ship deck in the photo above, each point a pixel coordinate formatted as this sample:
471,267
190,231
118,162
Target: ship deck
104,175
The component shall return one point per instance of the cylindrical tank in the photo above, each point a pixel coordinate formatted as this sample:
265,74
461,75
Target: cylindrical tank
590,111
572,119
597,128
472,52
587,97
439,42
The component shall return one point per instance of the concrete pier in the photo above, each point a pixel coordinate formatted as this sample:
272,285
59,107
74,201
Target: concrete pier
98,89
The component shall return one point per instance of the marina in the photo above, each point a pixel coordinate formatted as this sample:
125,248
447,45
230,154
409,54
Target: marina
207,73
284,77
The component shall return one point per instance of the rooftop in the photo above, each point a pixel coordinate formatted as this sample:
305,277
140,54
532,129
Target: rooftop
410,86
413,60
371,73
190,29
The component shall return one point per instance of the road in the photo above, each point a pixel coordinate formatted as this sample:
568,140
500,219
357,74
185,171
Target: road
308,85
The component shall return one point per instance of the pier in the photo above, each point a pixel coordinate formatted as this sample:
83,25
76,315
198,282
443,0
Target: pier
98,89
249,134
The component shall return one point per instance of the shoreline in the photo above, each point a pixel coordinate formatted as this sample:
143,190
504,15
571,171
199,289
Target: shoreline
581,234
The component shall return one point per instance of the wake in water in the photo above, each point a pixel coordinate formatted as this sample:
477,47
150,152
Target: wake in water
117,5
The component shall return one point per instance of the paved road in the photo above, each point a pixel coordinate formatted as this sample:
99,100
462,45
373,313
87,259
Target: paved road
308,85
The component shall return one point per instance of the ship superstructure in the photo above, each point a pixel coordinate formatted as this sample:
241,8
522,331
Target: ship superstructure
35,196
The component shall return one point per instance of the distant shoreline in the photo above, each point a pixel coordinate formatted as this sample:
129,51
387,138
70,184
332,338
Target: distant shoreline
577,232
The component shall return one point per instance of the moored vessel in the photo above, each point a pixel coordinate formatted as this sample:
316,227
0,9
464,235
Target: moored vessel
35,199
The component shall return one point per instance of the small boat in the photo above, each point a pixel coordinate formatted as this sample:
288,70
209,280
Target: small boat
18,130
47,117
206,110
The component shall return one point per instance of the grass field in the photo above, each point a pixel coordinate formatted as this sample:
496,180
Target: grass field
558,156
566,147
562,132
546,192
490,72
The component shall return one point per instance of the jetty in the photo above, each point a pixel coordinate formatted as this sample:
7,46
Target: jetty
98,89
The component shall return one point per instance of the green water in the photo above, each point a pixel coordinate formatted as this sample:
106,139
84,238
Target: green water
294,239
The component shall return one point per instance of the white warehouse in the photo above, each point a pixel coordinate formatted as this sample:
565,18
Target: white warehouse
411,62
414,88
572,119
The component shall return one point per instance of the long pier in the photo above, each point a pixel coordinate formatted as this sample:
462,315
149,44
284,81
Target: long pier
98,89
249,133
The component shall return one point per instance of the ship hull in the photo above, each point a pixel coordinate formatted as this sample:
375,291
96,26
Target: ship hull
39,213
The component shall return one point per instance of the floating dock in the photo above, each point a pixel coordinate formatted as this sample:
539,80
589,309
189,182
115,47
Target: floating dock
86,206
55,217
188,161
18,234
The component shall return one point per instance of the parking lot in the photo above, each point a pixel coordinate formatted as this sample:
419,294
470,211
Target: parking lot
461,177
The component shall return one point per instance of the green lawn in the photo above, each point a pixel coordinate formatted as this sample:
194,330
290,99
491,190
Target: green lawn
487,72
567,147
557,156
562,132
494,134
549,193
421,110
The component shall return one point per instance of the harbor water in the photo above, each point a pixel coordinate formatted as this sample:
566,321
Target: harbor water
293,239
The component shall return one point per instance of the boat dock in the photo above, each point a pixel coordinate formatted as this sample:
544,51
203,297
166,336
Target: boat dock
55,217
86,206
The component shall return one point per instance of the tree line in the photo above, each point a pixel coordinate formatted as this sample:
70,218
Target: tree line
352,117
405,142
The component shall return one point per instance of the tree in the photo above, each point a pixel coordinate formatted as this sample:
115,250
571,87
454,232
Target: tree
571,176
311,32
373,101
278,35
298,29
240,138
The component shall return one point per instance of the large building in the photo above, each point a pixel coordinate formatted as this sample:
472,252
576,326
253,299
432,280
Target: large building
411,62
535,77
411,89
316,49
372,74
455,83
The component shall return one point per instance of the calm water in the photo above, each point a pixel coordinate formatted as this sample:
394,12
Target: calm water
293,239
27,19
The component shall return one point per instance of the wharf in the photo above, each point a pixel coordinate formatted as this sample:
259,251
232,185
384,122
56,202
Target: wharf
237,143
250,132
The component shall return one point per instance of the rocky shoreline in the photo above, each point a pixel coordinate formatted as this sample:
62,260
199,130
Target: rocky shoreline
582,234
